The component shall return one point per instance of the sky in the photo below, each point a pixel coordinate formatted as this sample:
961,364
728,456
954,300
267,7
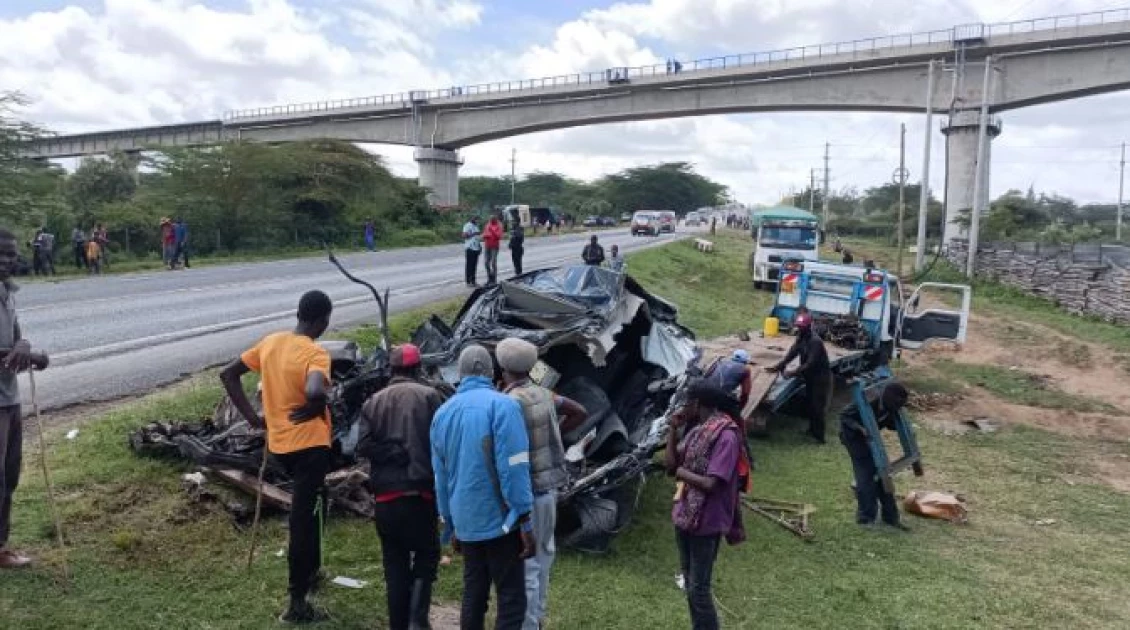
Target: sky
104,64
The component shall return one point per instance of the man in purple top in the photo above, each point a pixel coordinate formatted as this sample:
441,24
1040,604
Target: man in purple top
711,468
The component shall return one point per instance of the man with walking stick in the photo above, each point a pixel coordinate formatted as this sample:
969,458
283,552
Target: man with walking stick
16,357
295,374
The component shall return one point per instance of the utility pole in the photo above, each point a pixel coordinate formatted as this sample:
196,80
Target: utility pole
902,193
980,172
1121,183
811,190
924,192
824,221
513,168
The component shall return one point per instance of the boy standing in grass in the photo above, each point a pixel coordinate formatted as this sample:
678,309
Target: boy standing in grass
15,357
295,374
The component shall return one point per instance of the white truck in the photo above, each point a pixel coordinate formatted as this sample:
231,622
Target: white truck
781,233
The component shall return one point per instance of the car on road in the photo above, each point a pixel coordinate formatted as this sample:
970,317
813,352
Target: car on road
645,222
667,221
591,222
693,219
607,221
625,217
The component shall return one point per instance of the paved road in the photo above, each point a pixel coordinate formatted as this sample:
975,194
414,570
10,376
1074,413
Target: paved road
119,335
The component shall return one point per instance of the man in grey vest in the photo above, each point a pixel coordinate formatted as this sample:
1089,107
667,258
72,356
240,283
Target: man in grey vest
541,410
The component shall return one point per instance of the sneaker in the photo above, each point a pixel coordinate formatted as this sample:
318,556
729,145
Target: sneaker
11,560
304,613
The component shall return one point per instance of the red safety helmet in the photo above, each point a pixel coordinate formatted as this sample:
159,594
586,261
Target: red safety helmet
803,321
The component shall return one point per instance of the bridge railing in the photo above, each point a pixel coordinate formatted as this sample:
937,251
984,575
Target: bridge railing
626,74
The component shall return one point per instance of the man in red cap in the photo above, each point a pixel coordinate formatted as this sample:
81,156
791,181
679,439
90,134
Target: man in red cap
814,369
394,437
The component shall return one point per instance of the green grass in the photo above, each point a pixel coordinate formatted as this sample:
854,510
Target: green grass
1018,386
144,556
713,291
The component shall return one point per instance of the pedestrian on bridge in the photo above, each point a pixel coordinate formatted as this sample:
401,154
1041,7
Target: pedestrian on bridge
472,247
492,243
295,377
17,356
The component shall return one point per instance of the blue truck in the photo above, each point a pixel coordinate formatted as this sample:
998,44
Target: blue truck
865,315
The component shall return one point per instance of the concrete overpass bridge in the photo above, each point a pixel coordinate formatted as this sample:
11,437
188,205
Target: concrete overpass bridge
1023,63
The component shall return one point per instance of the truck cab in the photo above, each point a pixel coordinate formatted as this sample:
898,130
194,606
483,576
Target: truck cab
781,233
874,302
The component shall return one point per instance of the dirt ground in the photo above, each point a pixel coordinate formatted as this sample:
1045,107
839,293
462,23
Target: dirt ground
1070,365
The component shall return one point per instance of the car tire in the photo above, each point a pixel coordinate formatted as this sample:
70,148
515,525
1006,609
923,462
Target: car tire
758,285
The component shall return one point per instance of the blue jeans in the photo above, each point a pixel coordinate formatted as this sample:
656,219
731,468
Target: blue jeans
544,516
696,558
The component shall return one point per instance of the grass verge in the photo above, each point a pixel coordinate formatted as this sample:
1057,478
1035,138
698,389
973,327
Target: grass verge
1039,552
713,291
1019,387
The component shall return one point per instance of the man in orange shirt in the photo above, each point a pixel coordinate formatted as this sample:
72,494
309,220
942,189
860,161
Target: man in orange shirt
295,374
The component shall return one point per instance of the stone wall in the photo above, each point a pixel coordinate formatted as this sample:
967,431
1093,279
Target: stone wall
1085,279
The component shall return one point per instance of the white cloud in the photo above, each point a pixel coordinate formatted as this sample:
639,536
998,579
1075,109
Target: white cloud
138,62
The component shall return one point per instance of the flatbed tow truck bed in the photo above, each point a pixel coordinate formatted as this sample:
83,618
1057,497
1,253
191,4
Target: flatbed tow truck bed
770,390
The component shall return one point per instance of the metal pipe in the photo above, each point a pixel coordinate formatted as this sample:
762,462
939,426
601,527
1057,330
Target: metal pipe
924,193
1121,182
981,172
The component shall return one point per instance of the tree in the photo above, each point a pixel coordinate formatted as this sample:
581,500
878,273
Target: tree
96,183
29,189
669,186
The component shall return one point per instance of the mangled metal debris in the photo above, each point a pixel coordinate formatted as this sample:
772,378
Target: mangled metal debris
604,341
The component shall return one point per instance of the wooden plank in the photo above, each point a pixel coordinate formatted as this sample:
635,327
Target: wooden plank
272,495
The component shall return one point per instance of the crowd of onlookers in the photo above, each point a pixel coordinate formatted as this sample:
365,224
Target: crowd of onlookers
89,250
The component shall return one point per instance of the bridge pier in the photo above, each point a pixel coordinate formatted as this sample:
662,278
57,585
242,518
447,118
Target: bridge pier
962,131
439,174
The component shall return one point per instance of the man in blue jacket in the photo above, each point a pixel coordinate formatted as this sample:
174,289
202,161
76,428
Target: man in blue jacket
481,459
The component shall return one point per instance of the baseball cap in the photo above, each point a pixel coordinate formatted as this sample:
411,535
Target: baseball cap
407,355
740,356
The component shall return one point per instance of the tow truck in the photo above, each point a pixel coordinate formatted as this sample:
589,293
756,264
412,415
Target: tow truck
864,317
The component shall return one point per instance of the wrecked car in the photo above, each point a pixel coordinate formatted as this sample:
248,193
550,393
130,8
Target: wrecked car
603,340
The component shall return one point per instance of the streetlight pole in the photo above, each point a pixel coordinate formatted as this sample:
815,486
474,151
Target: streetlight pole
513,168
979,172
924,192
902,194
811,190
1121,183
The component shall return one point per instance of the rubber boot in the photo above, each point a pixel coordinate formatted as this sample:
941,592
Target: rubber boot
421,605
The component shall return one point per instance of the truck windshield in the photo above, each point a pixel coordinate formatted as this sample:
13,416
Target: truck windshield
788,237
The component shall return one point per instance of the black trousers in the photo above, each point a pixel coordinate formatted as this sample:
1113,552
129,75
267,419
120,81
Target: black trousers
80,255
308,469
410,549
182,255
870,495
817,391
516,254
696,558
11,454
494,562
472,267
